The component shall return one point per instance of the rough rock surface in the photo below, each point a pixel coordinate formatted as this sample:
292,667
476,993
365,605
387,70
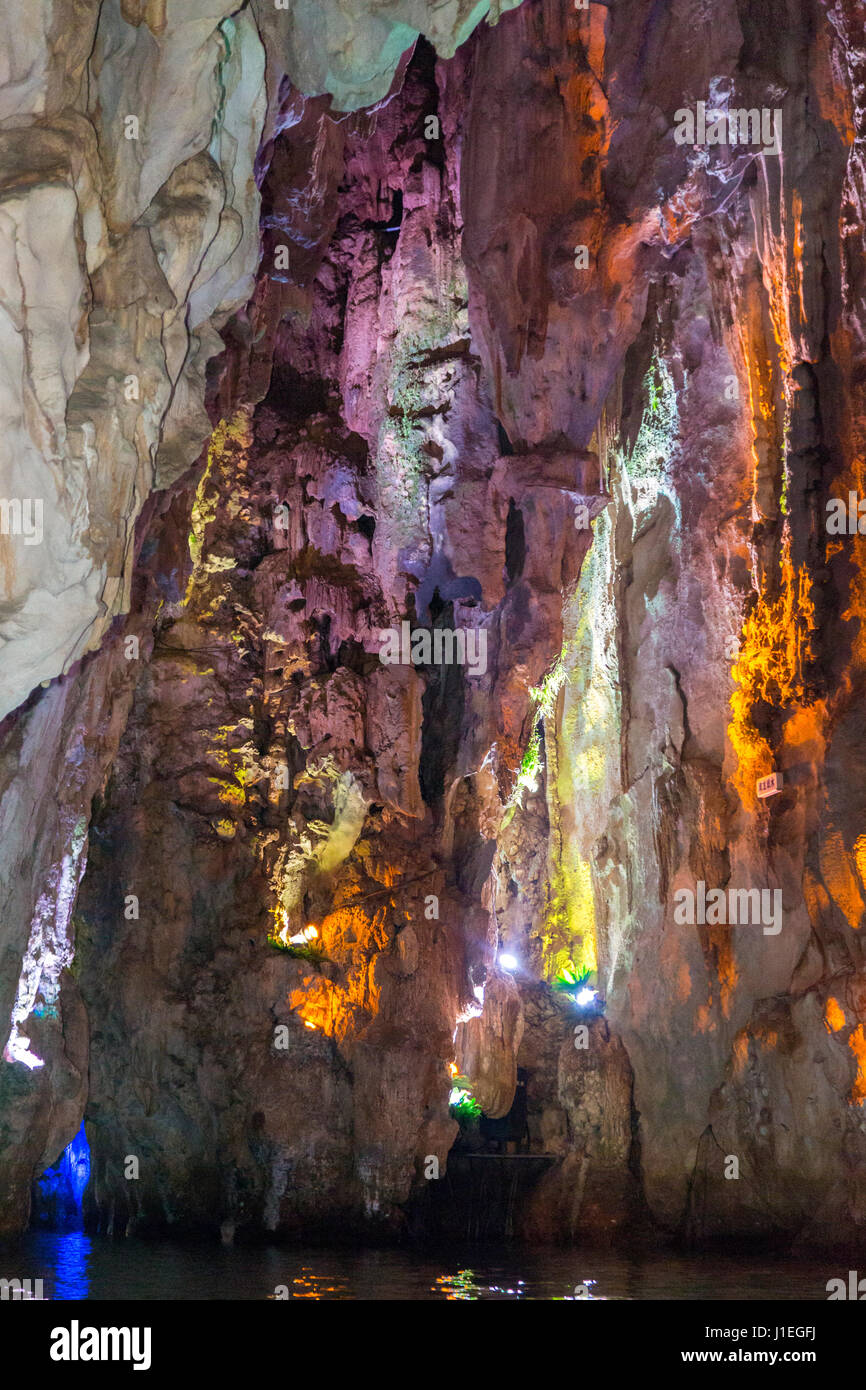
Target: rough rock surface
131,222
553,377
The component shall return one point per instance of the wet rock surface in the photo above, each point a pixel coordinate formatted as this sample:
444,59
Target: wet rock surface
434,337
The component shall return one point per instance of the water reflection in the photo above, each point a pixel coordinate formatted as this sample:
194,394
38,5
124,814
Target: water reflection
309,1284
457,1286
585,1291
76,1266
65,1260
467,1285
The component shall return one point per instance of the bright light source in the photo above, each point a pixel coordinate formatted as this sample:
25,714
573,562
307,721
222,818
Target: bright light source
302,938
18,1050
585,996
507,961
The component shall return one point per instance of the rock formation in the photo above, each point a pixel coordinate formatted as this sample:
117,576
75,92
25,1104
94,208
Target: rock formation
435,438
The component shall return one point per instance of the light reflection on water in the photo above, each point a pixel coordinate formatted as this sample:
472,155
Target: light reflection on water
75,1266
67,1257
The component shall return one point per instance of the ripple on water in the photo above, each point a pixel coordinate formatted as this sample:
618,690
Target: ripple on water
78,1266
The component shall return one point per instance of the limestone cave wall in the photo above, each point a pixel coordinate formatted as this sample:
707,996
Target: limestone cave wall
349,321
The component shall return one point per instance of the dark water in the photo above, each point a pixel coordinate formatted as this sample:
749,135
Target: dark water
77,1266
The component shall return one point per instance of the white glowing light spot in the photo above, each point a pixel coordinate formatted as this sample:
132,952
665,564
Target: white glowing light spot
585,996
50,950
18,1050
508,962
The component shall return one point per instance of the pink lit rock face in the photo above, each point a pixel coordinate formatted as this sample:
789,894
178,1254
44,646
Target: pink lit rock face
414,398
